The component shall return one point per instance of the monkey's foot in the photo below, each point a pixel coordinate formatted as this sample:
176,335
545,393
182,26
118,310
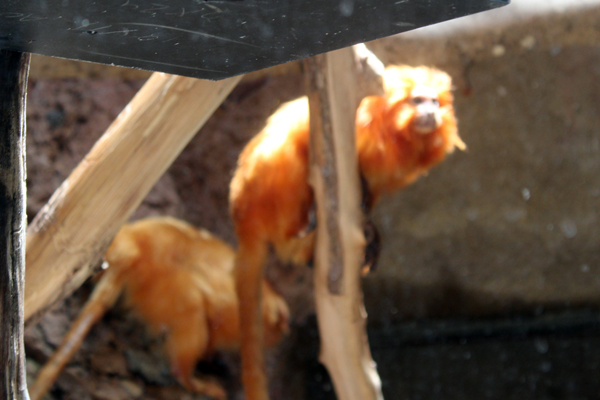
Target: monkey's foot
208,388
203,386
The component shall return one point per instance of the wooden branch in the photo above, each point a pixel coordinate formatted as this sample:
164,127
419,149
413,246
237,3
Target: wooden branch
340,241
369,72
14,68
70,234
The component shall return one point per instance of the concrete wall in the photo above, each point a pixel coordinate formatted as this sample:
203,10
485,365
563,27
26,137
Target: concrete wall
513,223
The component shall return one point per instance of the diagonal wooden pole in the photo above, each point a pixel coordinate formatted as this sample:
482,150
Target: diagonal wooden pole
70,234
340,242
14,68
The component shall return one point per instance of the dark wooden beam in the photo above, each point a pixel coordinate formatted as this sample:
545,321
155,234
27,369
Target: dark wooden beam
14,68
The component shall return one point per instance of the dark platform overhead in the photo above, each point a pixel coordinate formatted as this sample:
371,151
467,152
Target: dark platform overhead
208,38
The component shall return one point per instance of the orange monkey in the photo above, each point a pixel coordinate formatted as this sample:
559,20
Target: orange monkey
399,137
180,280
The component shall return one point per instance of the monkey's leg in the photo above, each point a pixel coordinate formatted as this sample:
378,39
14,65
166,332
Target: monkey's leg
250,264
104,296
186,343
298,250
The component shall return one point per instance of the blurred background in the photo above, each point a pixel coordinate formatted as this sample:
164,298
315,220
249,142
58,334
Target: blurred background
488,285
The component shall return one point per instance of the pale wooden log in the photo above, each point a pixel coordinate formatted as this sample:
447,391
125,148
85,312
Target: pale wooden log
13,223
340,241
369,72
71,233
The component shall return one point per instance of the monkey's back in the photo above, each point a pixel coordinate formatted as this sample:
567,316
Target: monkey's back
269,194
175,273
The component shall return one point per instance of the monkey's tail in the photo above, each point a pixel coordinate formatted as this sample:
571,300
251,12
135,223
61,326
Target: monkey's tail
249,270
103,297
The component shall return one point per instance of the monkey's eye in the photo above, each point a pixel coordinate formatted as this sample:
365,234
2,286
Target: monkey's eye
424,95
417,100
422,99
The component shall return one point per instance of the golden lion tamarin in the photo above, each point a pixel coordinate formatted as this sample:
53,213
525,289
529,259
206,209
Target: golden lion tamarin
179,279
399,137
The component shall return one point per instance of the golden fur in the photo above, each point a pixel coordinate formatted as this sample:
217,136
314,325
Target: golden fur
270,198
179,279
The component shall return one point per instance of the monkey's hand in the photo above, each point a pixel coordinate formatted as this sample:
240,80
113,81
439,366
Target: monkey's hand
372,249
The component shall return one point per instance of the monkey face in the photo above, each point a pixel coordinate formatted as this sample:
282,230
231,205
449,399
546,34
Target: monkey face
427,114
418,98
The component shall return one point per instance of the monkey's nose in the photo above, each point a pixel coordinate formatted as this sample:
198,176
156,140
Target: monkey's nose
425,123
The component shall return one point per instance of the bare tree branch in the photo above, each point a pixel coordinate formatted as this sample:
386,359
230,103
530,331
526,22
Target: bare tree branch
70,234
340,241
